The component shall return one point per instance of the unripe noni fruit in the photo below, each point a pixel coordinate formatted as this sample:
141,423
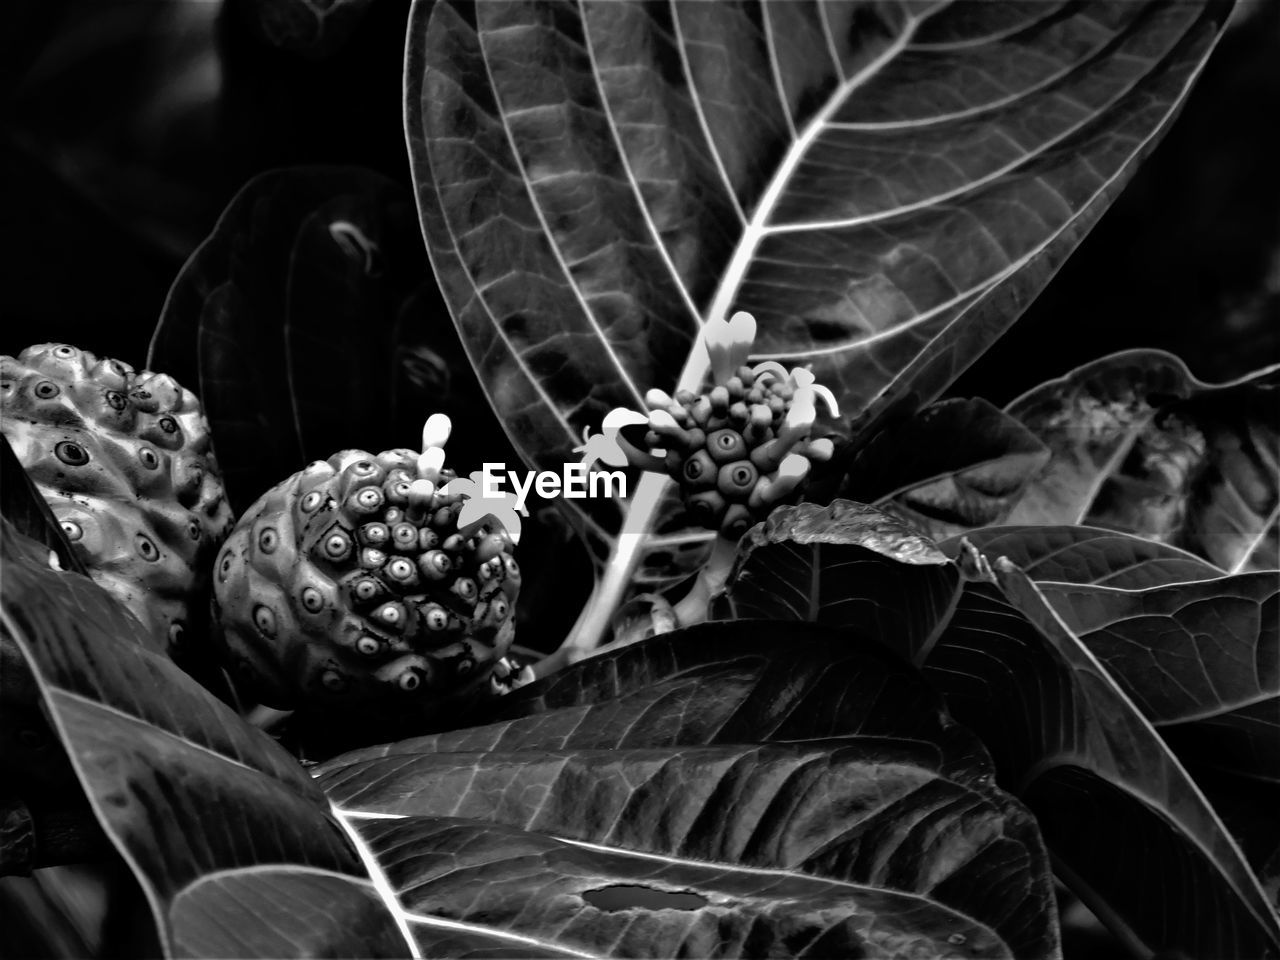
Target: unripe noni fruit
351,583
125,461
739,448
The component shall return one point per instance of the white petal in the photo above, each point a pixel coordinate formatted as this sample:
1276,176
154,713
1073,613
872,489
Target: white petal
770,367
793,465
620,417
435,433
431,462
729,343
742,334
802,413
661,420
802,376
828,397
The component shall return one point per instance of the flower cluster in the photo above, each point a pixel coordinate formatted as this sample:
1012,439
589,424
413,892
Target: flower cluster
353,577
742,447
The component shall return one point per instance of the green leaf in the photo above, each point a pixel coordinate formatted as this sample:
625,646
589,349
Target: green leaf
733,789
844,565
597,182
1087,555
206,809
1139,445
1128,829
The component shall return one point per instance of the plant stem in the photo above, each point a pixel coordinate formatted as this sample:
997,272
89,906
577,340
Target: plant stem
695,606
594,621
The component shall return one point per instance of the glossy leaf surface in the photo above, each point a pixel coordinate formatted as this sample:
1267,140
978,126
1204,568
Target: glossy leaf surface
882,185
1199,660
201,805
728,790
1087,555
1129,829
846,565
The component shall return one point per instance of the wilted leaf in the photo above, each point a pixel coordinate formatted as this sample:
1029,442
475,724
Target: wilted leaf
1130,831
197,801
1198,659
1087,555
1140,445
741,789
954,465
846,565
884,186
288,323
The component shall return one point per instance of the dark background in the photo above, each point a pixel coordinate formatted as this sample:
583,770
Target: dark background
129,124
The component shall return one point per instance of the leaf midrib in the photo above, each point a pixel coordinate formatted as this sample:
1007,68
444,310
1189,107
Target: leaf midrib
695,368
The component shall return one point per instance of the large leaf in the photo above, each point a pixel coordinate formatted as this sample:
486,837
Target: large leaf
1086,555
743,789
37,783
209,812
883,185
845,565
1129,830
954,465
297,324
1198,659
1140,445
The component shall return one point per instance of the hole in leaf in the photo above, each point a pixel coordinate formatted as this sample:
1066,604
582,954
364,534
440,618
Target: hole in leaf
633,896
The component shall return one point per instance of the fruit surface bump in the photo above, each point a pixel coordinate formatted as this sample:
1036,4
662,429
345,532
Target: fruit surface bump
351,582
125,460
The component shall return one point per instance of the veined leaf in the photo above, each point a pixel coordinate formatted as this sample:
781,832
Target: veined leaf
287,322
955,464
883,185
1140,445
204,808
34,767
1087,555
1129,830
1198,659
845,565
742,789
